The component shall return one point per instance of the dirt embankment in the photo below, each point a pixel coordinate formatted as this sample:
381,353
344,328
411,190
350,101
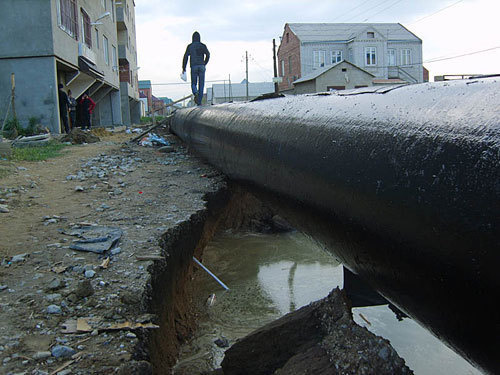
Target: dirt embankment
78,311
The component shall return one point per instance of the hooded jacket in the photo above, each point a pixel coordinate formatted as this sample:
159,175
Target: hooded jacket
197,51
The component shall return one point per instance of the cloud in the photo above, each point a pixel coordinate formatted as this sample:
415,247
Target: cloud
230,28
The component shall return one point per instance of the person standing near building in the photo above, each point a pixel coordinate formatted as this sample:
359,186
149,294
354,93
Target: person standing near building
63,107
198,55
88,106
72,109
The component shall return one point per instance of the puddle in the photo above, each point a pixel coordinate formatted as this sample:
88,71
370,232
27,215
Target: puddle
270,275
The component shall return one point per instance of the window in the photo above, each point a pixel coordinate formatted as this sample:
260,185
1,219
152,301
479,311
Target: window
282,68
97,38
290,64
105,49
318,59
86,29
391,57
336,56
115,60
370,35
371,56
405,57
67,17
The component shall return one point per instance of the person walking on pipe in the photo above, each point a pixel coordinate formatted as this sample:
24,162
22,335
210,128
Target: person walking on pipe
199,56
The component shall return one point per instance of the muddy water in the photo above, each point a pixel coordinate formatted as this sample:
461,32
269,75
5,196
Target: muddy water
271,275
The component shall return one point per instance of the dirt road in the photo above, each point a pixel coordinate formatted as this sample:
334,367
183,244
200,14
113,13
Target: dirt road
45,287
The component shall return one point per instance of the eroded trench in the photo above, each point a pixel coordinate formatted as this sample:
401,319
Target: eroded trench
196,328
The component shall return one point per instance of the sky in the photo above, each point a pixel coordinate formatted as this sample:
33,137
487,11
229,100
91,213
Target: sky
448,28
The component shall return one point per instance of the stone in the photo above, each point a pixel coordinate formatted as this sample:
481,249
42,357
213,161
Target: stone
84,289
116,250
41,355
55,284
54,309
19,258
53,297
4,209
131,335
62,351
3,287
222,342
89,274
79,188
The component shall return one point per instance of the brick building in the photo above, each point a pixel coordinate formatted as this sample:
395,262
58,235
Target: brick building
386,50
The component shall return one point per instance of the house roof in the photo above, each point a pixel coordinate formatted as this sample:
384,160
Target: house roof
322,32
145,84
317,72
238,90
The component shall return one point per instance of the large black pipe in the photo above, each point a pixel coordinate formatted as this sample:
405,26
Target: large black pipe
404,182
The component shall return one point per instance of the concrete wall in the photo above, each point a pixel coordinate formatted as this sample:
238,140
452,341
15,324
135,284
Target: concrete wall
36,90
125,105
336,77
16,39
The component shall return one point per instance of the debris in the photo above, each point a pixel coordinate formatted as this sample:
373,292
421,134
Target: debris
166,149
129,326
62,351
78,136
222,342
211,300
59,269
84,289
79,188
105,263
4,209
55,284
116,250
366,320
95,239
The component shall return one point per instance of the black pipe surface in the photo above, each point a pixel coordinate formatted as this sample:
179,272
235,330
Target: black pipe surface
410,177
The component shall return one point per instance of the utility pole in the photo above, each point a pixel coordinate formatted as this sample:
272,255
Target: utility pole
276,87
13,94
246,59
230,89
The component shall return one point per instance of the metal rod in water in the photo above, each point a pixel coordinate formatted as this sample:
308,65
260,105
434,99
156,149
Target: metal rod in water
210,273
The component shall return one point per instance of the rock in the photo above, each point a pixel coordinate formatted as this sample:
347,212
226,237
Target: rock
19,258
55,284
84,289
3,287
62,351
53,297
89,274
64,372
79,188
222,342
4,209
130,335
129,298
41,355
54,309
116,250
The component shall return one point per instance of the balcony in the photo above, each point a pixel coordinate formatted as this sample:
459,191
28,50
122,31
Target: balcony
121,18
124,53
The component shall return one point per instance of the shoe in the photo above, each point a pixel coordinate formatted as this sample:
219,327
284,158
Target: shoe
196,98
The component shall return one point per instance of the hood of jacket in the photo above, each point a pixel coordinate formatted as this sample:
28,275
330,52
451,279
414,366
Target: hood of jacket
196,36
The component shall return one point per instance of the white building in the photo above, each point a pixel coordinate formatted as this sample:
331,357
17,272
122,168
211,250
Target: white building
237,92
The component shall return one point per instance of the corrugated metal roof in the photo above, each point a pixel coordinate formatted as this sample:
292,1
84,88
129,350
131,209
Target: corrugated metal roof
317,72
145,84
322,32
240,90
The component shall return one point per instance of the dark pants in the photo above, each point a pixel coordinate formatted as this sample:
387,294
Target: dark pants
64,119
72,117
198,82
86,121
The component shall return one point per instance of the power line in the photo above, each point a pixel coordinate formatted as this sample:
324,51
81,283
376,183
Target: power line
349,11
373,7
440,10
184,83
462,55
383,10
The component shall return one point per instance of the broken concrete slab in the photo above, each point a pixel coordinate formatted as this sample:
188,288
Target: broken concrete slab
321,335
96,239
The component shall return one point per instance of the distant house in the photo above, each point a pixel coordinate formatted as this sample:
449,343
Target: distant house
237,92
385,50
339,76
145,91
85,45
